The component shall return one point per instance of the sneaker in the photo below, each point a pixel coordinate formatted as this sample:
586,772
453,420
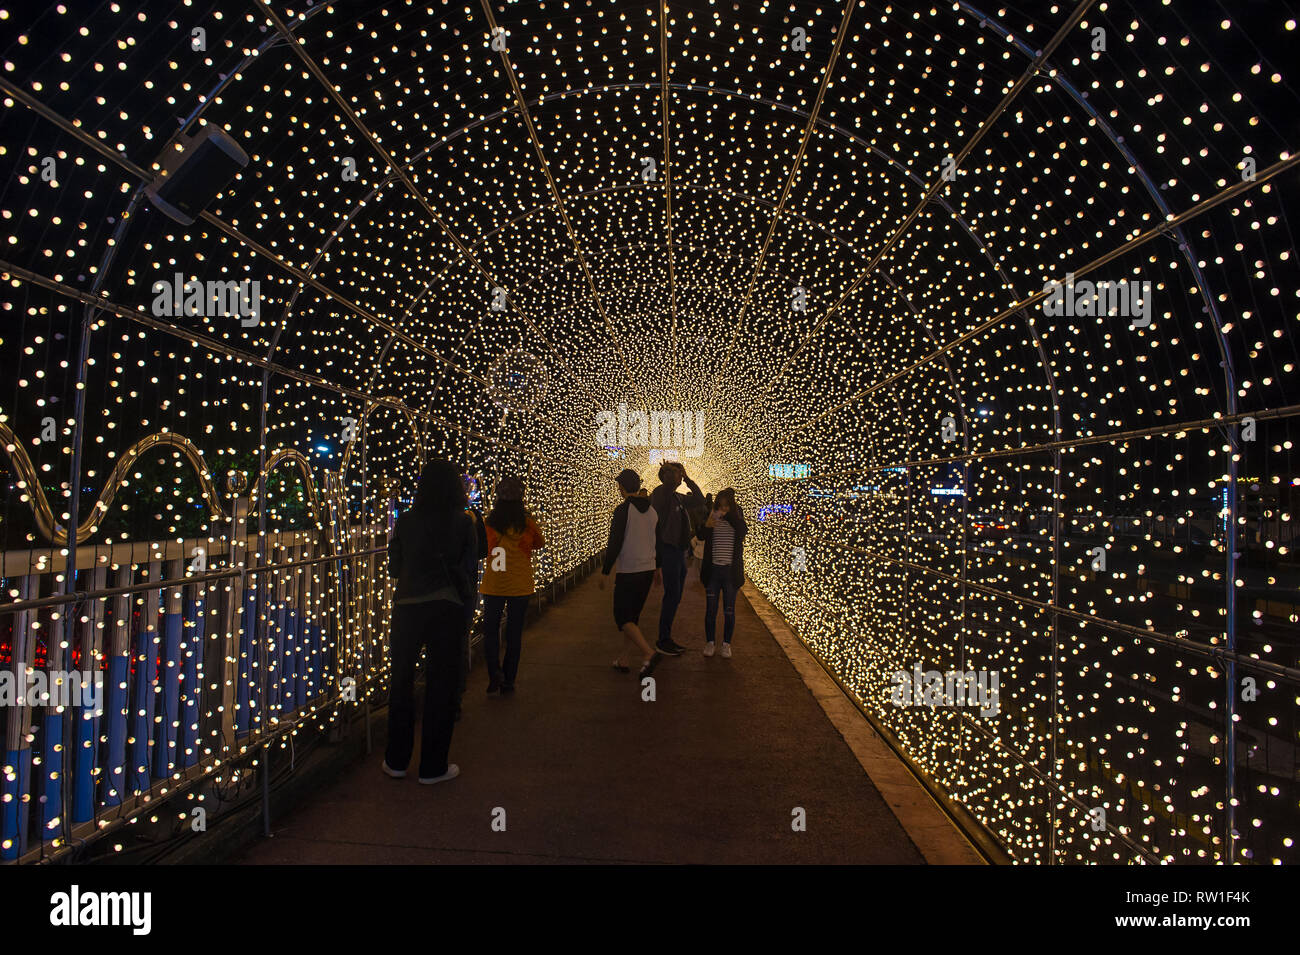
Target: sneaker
395,773
708,648
649,666
507,689
726,650
669,649
452,772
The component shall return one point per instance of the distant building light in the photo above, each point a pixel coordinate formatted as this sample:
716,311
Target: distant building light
948,491
789,472
662,455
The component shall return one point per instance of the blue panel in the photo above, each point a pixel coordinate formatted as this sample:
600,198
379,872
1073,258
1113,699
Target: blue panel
313,631
292,656
191,690
83,758
115,722
303,658
13,809
283,657
246,681
164,750
142,707
51,769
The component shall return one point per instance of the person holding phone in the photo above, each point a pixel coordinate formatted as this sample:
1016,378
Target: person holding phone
722,570
672,544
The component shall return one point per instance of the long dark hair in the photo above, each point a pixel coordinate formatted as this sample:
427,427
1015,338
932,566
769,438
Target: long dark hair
441,488
508,517
728,496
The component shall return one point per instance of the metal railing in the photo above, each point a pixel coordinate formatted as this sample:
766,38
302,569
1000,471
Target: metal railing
185,655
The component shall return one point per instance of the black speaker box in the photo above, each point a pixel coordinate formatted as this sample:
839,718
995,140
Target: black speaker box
192,175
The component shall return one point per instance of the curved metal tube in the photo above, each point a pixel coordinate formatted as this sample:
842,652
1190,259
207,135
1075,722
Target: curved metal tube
296,457
48,527
365,416
44,514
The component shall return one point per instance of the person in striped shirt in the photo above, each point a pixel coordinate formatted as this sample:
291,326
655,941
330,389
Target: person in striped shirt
722,571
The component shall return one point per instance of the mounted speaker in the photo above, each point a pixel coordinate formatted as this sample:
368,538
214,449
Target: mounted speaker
194,169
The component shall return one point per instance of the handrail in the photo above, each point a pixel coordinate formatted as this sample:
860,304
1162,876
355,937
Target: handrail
76,596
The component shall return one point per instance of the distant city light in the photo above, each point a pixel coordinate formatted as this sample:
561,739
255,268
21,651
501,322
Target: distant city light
788,472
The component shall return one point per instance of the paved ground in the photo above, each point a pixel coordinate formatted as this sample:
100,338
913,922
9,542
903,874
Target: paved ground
710,772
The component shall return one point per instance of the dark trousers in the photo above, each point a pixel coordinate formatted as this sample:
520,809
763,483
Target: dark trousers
514,609
434,626
721,579
464,651
672,561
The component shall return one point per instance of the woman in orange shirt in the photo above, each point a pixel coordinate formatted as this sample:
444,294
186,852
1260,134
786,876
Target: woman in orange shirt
512,536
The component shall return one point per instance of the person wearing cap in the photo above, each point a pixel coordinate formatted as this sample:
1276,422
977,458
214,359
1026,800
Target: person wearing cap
512,536
672,543
630,552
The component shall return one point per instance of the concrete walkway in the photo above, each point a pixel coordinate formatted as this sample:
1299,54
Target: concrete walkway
586,771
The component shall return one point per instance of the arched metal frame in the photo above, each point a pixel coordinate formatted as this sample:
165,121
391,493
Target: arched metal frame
890,162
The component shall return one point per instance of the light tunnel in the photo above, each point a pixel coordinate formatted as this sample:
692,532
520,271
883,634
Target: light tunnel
988,314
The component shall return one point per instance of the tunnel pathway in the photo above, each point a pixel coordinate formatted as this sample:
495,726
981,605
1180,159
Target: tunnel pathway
710,772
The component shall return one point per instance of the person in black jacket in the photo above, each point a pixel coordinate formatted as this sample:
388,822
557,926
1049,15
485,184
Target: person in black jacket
672,541
723,568
433,555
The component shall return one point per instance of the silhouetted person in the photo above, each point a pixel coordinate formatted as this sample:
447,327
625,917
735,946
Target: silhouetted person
697,509
630,552
512,536
432,554
672,539
723,568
